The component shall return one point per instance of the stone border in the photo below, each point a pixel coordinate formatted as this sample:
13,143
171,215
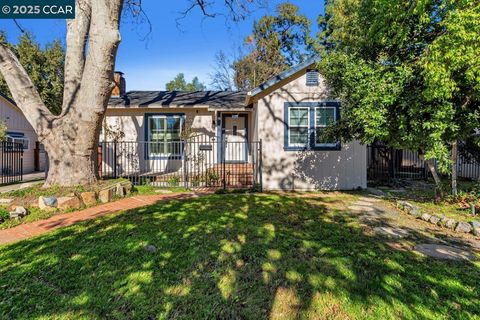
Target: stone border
441,221
76,200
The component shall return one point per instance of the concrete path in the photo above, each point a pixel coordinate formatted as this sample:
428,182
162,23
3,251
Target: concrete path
28,230
28,180
385,221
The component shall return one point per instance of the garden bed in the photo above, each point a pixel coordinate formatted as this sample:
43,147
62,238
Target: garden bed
37,203
422,195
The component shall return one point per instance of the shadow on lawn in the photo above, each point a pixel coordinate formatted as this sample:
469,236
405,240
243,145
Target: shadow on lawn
242,256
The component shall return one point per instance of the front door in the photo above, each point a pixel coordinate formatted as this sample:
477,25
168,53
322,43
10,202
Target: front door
235,135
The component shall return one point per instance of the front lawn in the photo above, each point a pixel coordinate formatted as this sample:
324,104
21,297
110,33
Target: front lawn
230,257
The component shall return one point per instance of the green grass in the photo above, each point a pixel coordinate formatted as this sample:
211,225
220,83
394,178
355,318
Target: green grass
230,257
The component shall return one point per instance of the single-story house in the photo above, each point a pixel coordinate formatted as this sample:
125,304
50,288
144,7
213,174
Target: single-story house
19,130
287,114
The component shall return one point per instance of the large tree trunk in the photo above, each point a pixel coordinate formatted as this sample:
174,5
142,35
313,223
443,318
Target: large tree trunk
71,138
72,157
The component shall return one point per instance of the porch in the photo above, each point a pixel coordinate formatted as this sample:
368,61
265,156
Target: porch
197,162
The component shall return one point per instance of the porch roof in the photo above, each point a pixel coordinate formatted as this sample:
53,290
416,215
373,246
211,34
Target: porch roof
217,100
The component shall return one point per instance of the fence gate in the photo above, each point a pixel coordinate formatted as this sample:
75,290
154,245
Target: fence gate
11,162
198,162
386,163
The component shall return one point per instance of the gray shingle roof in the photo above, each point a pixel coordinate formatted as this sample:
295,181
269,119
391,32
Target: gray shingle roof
212,99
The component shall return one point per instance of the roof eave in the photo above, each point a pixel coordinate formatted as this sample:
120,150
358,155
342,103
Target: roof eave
280,77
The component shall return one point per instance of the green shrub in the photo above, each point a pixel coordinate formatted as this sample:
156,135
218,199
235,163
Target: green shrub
4,214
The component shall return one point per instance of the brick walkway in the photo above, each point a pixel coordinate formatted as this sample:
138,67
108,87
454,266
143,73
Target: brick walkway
28,230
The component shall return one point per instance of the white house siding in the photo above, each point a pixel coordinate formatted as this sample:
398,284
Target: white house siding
128,124
16,122
303,170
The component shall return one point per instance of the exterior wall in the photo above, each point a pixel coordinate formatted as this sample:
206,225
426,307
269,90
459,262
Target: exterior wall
129,125
304,170
16,122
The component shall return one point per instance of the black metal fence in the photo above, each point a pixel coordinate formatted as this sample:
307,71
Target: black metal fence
197,162
11,162
384,164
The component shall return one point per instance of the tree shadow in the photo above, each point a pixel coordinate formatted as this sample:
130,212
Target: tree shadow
231,256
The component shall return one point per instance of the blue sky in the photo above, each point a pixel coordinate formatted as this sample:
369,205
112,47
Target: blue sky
169,49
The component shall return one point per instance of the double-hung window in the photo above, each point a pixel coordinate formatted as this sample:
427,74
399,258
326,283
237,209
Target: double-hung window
324,118
306,123
164,135
299,124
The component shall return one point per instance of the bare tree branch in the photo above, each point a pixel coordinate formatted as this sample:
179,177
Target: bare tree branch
135,8
237,10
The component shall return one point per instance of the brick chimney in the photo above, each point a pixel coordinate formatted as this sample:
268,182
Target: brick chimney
120,85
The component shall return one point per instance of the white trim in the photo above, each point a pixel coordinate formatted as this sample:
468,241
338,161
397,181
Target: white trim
150,153
323,126
307,144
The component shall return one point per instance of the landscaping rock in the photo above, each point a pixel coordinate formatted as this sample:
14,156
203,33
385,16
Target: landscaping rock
415,212
400,204
120,190
406,206
476,227
426,217
5,201
19,212
89,198
14,215
450,224
443,220
151,248
376,192
435,219
464,227
68,203
47,202
106,195
128,187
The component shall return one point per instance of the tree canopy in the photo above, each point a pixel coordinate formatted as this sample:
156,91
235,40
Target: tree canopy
276,43
44,66
407,72
180,84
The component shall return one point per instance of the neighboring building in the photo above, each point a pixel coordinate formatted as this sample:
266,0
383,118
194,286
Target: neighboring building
287,113
19,130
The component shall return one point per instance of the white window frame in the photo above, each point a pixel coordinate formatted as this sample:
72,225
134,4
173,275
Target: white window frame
19,140
150,141
323,126
307,143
